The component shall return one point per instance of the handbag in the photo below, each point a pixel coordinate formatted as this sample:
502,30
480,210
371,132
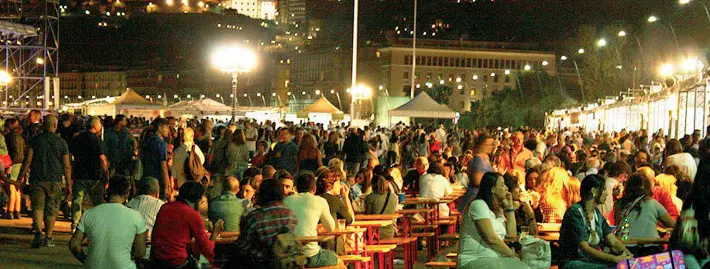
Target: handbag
535,252
668,259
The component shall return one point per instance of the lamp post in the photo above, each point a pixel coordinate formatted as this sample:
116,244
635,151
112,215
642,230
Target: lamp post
359,93
5,80
278,97
248,97
653,19
234,60
683,2
579,76
337,94
258,94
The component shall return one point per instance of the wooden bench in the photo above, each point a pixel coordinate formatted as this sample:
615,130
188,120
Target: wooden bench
449,237
452,255
424,226
384,252
357,260
441,264
409,245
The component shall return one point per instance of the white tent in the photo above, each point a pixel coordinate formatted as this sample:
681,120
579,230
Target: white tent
321,111
202,107
423,106
129,103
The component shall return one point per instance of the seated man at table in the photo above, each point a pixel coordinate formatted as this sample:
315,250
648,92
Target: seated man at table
309,209
228,207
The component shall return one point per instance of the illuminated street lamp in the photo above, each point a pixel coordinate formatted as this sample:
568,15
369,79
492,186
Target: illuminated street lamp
666,70
39,61
621,33
258,94
683,2
234,60
601,42
653,19
580,51
563,58
5,78
527,67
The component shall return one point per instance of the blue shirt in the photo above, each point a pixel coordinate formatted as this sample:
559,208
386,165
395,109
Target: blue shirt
153,151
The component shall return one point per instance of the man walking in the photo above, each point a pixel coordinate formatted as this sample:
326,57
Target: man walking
48,157
154,156
90,168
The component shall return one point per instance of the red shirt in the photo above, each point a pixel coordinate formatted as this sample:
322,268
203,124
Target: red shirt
666,201
175,226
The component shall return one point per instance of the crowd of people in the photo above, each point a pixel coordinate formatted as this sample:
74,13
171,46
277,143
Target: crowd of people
174,185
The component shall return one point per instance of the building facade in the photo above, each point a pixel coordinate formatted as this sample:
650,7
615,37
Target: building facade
472,69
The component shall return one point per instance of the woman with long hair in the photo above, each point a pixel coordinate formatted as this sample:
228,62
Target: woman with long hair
487,220
237,154
479,165
309,157
330,147
584,231
638,211
381,201
524,214
552,190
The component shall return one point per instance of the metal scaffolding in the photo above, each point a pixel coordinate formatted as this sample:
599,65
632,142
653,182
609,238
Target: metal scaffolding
29,50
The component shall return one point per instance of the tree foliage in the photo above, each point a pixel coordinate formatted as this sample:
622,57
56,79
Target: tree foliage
441,93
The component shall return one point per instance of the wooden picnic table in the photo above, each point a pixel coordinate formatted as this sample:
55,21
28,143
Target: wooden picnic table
412,211
346,231
424,201
373,228
378,217
548,227
311,239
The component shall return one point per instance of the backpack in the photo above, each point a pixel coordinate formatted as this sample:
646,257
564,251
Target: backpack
289,251
194,169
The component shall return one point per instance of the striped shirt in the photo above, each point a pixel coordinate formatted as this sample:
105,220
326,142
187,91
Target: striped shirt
148,206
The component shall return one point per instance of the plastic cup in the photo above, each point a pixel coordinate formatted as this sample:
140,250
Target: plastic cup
524,230
401,197
341,224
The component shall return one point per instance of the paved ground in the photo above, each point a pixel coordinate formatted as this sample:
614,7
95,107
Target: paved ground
15,251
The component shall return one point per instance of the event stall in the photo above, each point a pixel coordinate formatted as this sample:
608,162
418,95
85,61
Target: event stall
676,110
200,108
423,106
129,103
321,111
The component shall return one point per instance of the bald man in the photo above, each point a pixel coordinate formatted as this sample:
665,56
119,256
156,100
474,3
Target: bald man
228,207
411,179
663,197
48,157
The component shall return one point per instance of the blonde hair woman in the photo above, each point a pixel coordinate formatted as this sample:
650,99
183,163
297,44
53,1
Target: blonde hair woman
182,154
553,205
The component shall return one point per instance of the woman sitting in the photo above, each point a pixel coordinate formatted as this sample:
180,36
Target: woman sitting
585,231
381,201
524,214
638,211
487,220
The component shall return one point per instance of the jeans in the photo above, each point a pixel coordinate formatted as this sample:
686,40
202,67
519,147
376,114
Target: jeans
352,168
82,187
587,263
323,258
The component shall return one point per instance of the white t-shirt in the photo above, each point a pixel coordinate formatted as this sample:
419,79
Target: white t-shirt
471,244
251,135
309,209
435,186
110,229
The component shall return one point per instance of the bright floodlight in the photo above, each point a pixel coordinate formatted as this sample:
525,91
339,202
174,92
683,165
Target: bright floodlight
666,70
692,64
601,42
5,78
234,59
39,61
563,58
507,71
362,92
683,2
652,19
317,93
332,91
621,33
545,63
580,51
527,67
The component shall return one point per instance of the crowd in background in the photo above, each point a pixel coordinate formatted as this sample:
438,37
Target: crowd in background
190,179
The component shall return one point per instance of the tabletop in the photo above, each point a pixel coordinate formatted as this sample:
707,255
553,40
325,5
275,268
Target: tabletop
371,223
645,241
378,217
310,239
412,211
348,230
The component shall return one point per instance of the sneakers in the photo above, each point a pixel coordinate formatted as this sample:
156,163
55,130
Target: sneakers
37,242
9,215
49,242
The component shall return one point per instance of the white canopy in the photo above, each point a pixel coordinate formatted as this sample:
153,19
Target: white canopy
322,105
201,107
423,106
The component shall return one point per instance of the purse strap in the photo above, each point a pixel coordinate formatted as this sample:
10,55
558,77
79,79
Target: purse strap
387,201
627,211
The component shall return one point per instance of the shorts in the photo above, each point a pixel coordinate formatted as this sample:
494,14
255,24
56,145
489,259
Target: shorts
46,196
323,258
